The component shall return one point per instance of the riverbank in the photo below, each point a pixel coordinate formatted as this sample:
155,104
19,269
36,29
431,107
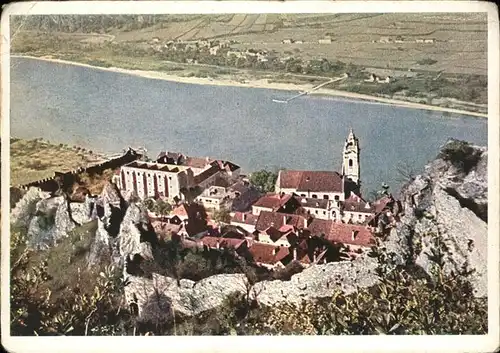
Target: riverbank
263,84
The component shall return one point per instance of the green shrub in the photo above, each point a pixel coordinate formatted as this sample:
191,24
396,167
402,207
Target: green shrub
461,154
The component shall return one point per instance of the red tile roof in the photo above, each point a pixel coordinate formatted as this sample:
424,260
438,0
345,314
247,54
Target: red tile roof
250,218
313,181
312,203
382,203
273,233
342,232
277,220
320,226
355,206
273,201
180,210
268,254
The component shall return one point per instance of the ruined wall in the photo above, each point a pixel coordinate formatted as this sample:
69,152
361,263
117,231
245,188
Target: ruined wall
68,178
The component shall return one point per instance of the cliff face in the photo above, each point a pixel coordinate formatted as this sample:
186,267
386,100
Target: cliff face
445,217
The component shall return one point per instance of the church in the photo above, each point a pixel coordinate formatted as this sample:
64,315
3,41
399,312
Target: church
327,185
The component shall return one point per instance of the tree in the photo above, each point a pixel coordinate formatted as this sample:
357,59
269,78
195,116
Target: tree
162,207
149,203
222,215
264,180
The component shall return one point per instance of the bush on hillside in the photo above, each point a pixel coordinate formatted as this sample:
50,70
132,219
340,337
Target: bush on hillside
461,154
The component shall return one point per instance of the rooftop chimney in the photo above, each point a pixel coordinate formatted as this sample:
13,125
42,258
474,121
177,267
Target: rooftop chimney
217,245
305,222
284,219
294,253
244,217
353,234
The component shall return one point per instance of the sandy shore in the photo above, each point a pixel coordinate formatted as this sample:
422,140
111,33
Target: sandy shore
263,83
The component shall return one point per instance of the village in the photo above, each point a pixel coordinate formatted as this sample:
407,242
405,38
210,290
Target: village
208,204
228,53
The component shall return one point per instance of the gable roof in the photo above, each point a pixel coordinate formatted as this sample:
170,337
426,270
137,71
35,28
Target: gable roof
356,206
274,234
320,226
312,203
244,218
265,253
310,181
180,211
342,232
273,201
382,203
277,220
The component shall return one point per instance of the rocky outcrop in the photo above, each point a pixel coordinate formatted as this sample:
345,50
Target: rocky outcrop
445,217
51,218
25,208
191,298
319,281
134,231
109,209
158,298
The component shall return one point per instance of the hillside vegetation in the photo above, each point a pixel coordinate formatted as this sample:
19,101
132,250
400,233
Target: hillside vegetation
436,59
32,160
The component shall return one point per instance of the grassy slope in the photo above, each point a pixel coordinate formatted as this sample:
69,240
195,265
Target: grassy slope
67,263
31,160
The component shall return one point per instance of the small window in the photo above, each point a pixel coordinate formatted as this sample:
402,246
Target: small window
303,195
325,197
314,196
337,197
324,212
316,211
350,162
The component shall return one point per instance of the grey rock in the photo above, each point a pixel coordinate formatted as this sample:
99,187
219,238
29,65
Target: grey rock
130,233
445,213
25,208
319,281
158,298
49,224
82,212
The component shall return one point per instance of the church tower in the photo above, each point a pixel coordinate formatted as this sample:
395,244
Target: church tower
350,161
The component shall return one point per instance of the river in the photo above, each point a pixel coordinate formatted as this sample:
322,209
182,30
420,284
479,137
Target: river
108,111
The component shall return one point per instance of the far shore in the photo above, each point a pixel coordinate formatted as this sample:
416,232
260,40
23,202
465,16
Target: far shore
262,83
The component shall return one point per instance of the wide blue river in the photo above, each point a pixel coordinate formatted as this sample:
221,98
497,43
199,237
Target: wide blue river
107,111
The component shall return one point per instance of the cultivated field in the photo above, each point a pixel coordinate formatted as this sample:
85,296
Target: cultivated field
459,40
